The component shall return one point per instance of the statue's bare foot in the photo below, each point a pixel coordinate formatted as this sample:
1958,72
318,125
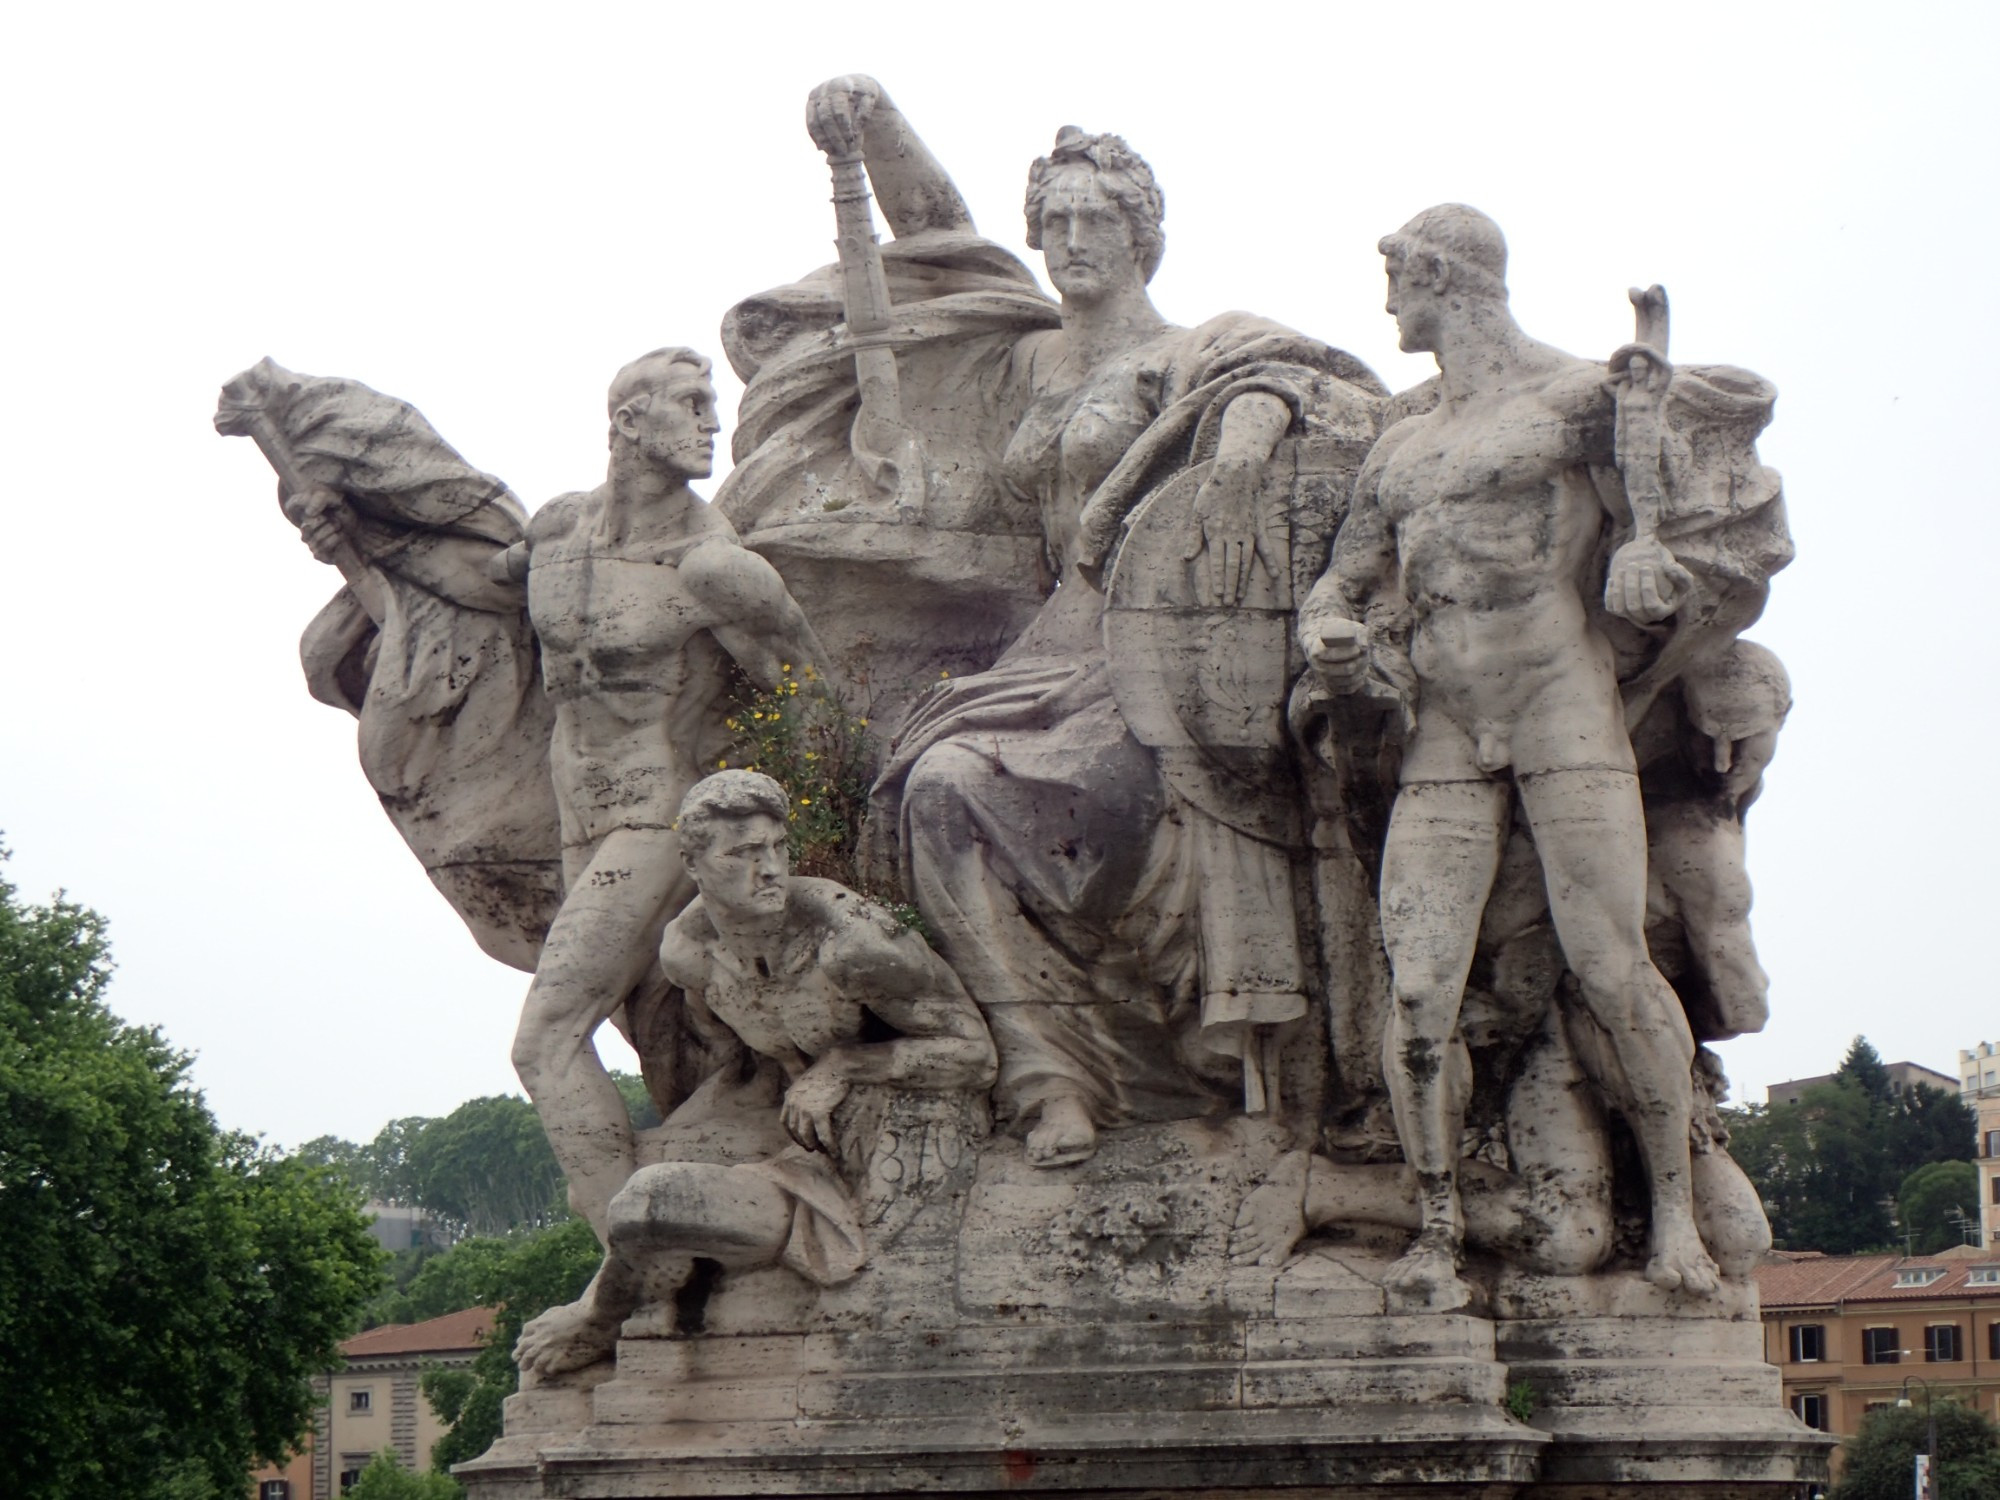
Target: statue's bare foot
1426,1279
1064,1134
1681,1263
1268,1225
565,1338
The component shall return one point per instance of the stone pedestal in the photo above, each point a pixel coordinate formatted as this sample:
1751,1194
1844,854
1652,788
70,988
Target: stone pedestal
1083,1332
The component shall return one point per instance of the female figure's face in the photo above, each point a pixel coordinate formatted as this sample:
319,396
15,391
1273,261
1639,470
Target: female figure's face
1087,241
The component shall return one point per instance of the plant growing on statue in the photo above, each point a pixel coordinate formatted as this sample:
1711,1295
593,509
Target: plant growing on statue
800,735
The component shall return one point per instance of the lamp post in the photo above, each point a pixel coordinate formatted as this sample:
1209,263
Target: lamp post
1924,1486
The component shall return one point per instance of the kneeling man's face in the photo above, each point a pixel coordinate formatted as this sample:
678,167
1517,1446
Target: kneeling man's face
742,872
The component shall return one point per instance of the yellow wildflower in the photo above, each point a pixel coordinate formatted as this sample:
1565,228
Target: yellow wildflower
943,675
785,667
722,765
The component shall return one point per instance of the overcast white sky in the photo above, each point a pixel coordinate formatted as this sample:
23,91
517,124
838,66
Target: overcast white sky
487,209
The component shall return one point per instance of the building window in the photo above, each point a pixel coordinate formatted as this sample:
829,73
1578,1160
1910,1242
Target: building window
1993,1186
1992,1143
1983,1276
1808,1343
1880,1346
351,1465
275,1489
1942,1345
1924,1275
1993,1340
361,1400
1810,1410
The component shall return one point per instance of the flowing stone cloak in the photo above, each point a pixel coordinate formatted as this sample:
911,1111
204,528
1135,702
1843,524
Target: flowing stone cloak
1722,516
453,725
895,603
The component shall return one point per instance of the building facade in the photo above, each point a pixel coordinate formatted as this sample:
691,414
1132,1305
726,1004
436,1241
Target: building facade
1903,1075
1979,1086
373,1401
1850,1333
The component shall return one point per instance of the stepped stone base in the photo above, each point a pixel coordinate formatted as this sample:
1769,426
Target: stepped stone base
1086,1334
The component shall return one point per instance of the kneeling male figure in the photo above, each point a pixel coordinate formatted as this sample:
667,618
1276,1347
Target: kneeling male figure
784,972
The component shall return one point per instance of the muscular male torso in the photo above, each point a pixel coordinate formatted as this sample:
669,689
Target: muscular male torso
628,663
836,958
1496,523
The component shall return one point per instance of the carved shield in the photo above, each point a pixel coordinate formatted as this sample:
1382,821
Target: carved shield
1187,673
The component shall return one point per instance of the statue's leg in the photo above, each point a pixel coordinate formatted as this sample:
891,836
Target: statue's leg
600,945
674,1211
1442,853
740,1218
1699,857
1633,1038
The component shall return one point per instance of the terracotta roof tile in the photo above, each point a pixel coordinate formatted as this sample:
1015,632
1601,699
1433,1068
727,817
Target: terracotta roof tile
1810,1279
452,1332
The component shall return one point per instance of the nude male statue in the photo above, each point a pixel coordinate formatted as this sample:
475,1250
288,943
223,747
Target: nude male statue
1476,525
800,977
640,596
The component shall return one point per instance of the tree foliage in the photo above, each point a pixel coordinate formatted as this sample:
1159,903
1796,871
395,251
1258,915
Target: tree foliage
1828,1165
487,1167
484,1169
386,1479
1936,1202
519,1278
1880,1458
167,1290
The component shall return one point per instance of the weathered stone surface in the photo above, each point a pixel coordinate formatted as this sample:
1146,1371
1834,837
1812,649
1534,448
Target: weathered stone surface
1319,821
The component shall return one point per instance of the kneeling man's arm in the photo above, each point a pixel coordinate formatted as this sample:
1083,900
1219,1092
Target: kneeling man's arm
944,1043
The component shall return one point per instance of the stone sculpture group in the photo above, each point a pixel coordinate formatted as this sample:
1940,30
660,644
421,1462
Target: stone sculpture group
1323,827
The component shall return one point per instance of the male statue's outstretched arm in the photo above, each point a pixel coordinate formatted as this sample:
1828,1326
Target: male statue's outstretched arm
750,612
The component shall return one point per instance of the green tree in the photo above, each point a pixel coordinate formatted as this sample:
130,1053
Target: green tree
390,1175
1817,1164
487,1167
1880,1458
167,1290
464,1276
1935,1202
638,1103
1828,1165
1863,1066
1926,1125
529,1274
344,1157
386,1479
